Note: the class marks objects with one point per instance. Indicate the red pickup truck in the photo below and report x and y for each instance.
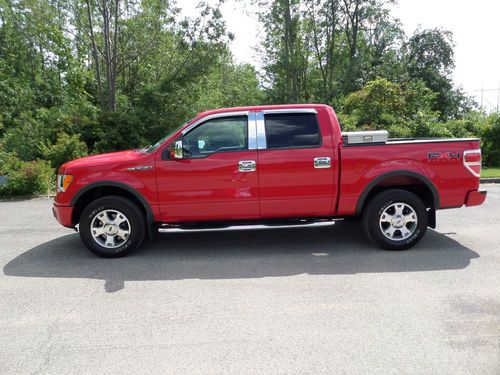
(248, 167)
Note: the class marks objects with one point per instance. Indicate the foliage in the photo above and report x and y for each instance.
(403, 109)
(67, 147)
(430, 58)
(23, 136)
(81, 76)
(25, 178)
(491, 141)
(117, 131)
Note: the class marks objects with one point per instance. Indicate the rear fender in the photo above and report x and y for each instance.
(399, 173)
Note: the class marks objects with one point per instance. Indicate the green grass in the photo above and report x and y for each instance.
(490, 172)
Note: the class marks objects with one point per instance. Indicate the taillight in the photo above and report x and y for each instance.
(472, 161)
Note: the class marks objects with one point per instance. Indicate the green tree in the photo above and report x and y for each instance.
(430, 58)
(403, 109)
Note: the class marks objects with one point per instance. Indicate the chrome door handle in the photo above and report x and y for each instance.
(322, 162)
(247, 166)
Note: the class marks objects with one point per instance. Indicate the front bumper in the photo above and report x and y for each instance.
(63, 215)
(475, 198)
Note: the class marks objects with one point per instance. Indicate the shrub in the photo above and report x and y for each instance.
(25, 178)
(491, 142)
(24, 137)
(119, 131)
(428, 126)
(66, 148)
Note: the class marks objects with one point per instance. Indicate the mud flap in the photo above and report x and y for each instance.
(431, 217)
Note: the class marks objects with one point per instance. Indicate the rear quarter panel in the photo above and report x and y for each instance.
(360, 165)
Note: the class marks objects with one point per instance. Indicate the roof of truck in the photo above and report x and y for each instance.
(260, 108)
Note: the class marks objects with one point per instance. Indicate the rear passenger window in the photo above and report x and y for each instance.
(297, 130)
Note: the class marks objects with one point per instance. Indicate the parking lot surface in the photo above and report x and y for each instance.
(314, 300)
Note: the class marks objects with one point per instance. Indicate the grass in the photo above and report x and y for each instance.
(490, 172)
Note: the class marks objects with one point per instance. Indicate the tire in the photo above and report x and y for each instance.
(112, 227)
(395, 219)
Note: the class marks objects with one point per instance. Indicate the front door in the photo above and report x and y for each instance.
(217, 178)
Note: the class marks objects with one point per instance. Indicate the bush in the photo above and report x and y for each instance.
(25, 178)
(119, 131)
(377, 106)
(404, 109)
(24, 136)
(491, 142)
(66, 148)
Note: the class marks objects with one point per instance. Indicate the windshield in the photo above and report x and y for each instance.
(154, 147)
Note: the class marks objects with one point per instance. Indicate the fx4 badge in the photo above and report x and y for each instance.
(443, 156)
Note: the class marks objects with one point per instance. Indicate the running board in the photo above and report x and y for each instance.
(314, 224)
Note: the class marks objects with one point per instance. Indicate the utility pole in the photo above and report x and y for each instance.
(482, 94)
(489, 101)
(498, 98)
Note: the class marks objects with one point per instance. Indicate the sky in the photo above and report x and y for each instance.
(475, 26)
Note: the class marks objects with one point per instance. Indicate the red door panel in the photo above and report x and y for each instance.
(210, 188)
(290, 185)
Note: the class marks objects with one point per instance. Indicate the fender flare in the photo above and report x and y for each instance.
(399, 173)
(134, 192)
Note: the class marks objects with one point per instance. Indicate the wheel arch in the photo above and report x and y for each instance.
(105, 188)
(402, 179)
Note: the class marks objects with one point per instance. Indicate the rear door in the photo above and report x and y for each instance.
(296, 163)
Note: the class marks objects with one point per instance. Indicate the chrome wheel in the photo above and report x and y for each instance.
(110, 228)
(398, 221)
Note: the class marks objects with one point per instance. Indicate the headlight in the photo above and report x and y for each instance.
(63, 182)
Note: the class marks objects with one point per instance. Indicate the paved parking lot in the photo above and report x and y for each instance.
(280, 301)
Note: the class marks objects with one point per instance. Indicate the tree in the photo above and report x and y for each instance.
(382, 104)
(321, 50)
(430, 58)
(286, 52)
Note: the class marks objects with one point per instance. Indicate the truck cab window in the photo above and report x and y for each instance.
(292, 130)
(217, 135)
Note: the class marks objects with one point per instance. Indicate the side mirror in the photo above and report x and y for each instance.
(177, 151)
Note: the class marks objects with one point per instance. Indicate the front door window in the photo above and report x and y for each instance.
(228, 134)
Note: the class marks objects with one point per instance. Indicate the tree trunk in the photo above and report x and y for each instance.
(95, 55)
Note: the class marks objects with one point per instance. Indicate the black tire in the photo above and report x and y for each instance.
(134, 223)
(383, 204)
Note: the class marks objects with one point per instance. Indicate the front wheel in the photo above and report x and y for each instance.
(112, 226)
(395, 219)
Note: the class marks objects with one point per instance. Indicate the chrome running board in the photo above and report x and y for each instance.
(178, 229)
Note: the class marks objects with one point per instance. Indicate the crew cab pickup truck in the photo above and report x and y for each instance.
(251, 167)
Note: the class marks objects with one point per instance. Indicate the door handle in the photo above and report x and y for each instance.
(247, 166)
(322, 162)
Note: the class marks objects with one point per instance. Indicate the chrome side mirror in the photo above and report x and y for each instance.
(177, 151)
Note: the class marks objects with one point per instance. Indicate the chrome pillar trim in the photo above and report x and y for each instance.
(289, 110)
(211, 117)
(252, 131)
(261, 131)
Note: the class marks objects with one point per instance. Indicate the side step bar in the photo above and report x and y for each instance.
(178, 229)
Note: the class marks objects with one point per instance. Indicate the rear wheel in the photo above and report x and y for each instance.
(112, 226)
(395, 219)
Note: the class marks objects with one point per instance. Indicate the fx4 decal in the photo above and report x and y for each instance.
(443, 156)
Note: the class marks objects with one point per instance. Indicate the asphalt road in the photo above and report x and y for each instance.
(309, 300)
